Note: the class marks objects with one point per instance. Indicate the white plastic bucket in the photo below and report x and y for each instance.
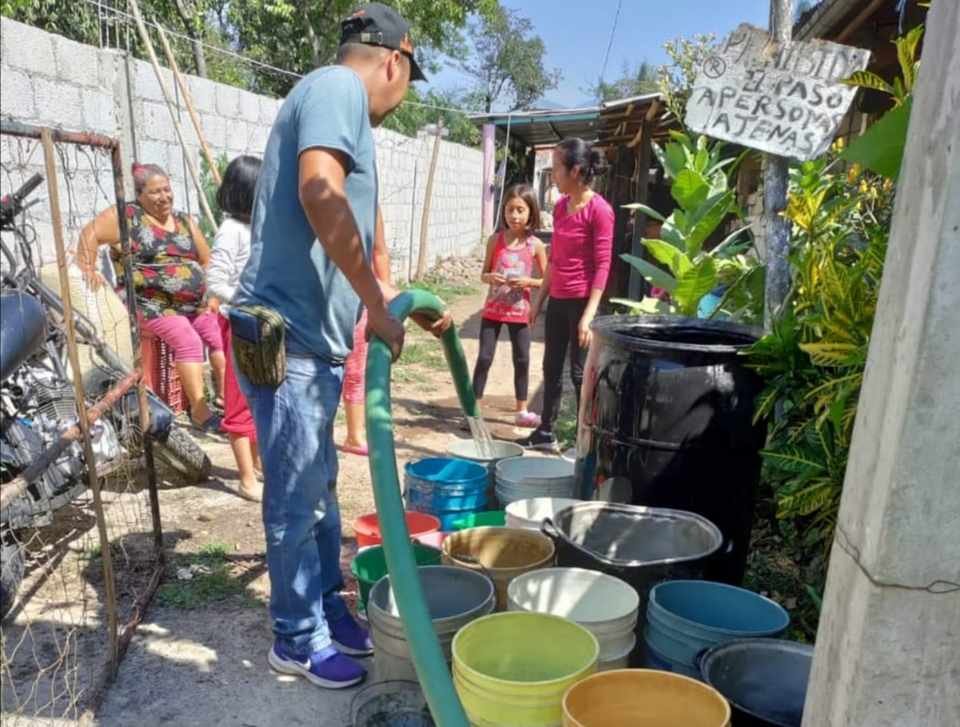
(521, 478)
(530, 513)
(601, 603)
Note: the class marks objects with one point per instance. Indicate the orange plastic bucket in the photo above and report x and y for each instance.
(643, 698)
(367, 527)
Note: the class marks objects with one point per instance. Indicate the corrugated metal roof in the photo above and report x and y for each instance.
(825, 18)
(545, 127)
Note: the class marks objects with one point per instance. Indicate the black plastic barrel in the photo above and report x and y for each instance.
(666, 420)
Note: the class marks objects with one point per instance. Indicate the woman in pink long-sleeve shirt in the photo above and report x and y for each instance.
(576, 276)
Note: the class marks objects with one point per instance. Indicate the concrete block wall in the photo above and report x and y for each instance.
(49, 80)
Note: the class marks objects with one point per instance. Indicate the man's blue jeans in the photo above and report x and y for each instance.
(301, 517)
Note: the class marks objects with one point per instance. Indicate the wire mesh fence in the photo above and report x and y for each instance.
(81, 554)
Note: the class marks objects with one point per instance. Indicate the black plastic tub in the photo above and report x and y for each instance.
(765, 680)
(641, 546)
(667, 421)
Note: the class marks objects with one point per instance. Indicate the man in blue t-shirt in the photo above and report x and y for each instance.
(315, 229)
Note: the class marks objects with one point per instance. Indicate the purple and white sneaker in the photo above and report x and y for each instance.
(350, 637)
(327, 668)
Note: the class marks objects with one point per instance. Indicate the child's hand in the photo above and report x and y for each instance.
(496, 278)
(519, 283)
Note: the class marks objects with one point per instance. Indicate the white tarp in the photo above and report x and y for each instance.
(785, 99)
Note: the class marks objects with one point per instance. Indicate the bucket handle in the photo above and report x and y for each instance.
(548, 528)
(698, 659)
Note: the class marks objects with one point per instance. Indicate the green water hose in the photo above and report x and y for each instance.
(425, 648)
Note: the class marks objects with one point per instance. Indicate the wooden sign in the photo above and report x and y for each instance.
(782, 98)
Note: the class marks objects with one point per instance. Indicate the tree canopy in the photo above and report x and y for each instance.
(505, 59)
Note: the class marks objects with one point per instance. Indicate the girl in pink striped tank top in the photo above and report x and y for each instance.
(513, 256)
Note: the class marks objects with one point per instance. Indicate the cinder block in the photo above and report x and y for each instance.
(28, 48)
(258, 143)
(249, 107)
(17, 93)
(215, 130)
(109, 64)
(153, 152)
(204, 93)
(99, 112)
(269, 108)
(58, 104)
(155, 122)
(76, 63)
(228, 101)
(146, 85)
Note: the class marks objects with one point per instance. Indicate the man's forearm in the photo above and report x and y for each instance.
(332, 220)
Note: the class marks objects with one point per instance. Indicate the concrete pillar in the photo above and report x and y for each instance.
(489, 162)
(888, 648)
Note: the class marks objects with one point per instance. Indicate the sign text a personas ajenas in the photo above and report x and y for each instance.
(783, 98)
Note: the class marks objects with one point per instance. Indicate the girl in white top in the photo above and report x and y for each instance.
(231, 248)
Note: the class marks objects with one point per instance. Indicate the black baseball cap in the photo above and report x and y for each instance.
(378, 24)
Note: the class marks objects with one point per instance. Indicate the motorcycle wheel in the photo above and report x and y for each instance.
(11, 573)
(180, 452)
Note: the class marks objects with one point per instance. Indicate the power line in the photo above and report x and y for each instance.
(260, 64)
(613, 30)
(128, 17)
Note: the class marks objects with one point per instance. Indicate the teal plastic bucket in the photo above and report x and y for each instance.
(685, 617)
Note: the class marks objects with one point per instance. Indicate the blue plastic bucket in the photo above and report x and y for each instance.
(446, 488)
(445, 499)
(686, 617)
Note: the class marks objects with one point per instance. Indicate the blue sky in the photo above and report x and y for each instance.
(576, 33)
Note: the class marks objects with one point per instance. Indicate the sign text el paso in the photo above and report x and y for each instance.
(785, 99)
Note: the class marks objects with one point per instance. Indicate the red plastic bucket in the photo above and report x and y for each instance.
(367, 527)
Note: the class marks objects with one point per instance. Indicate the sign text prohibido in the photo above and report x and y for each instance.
(782, 98)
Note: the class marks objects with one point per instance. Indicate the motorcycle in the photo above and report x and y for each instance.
(37, 402)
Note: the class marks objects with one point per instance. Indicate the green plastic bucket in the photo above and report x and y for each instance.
(490, 518)
(370, 566)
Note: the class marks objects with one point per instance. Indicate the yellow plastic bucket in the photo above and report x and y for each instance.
(643, 698)
(501, 553)
(512, 669)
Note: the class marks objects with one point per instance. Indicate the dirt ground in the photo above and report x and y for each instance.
(199, 658)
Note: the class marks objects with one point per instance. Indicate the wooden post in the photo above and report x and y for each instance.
(53, 191)
(886, 653)
(425, 219)
(637, 282)
(191, 167)
(776, 227)
(489, 164)
(188, 102)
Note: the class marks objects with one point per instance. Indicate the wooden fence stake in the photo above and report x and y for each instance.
(56, 219)
(191, 167)
(188, 102)
(425, 219)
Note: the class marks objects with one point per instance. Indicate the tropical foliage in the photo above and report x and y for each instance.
(813, 360)
(700, 185)
(881, 148)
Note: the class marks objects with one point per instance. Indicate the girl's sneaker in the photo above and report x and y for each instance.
(527, 420)
(544, 441)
